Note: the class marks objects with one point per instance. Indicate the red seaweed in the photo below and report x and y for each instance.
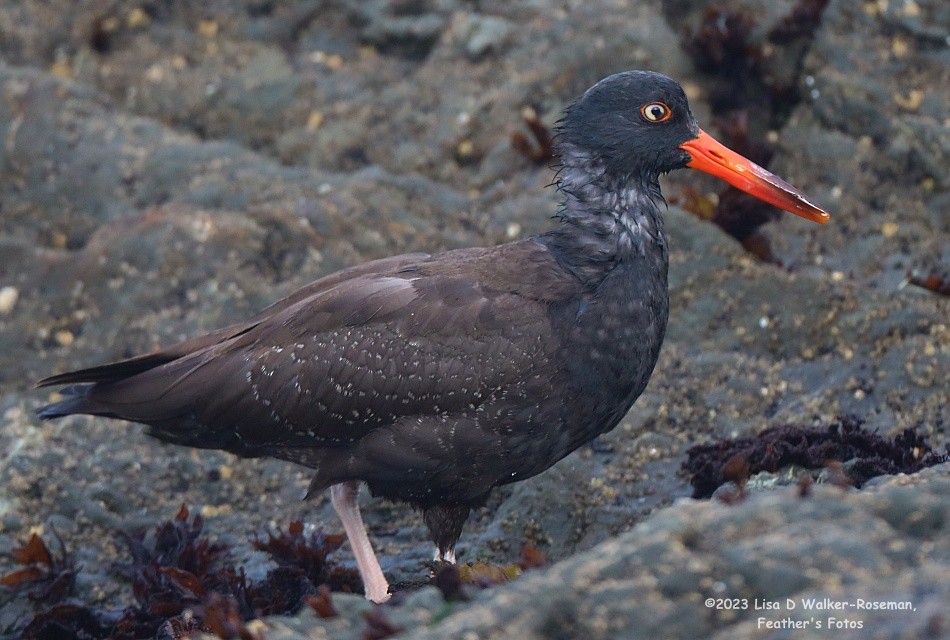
(182, 584)
(868, 454)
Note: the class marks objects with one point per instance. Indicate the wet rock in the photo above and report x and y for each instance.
(761, 550)
(486, 34)
(405, 30)
(873, 93)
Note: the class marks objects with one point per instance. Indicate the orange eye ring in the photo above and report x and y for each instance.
(656, 112)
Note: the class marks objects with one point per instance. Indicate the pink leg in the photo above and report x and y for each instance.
(345, 503)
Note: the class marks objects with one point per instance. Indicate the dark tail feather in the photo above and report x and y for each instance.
(111, 372)
(76, 400)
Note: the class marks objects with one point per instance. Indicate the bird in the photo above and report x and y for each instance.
(435, 378)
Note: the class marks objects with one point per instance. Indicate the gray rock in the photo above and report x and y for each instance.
(654, 580)
(383, 25)
(877, 97)
(487, 34)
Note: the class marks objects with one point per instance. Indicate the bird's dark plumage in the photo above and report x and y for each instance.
(435, 378)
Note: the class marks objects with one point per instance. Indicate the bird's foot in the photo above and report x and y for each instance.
(447, 556)
(378, 593)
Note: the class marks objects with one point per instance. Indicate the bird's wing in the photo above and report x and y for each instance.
(425, 337)
(125, 368)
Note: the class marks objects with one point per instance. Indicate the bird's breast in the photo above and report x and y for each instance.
(610, 345)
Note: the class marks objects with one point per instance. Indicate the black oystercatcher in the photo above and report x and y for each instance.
(435, 378)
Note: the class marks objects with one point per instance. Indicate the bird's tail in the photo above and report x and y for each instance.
(77, 398)
(179, 397)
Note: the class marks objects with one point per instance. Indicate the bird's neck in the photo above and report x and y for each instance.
(606, 220)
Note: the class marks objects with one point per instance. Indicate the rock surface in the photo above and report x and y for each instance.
(165, 170)
(885, 544)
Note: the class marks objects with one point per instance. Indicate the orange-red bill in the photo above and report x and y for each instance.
(716, 159)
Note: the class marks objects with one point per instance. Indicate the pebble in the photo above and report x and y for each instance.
(487, 34)
(9, 296)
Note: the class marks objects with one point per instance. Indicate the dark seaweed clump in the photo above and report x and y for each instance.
(181, 582)
(852, 454)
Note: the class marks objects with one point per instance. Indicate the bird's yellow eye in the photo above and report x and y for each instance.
(656, 112)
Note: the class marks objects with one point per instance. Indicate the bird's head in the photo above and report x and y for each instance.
(638, 125)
